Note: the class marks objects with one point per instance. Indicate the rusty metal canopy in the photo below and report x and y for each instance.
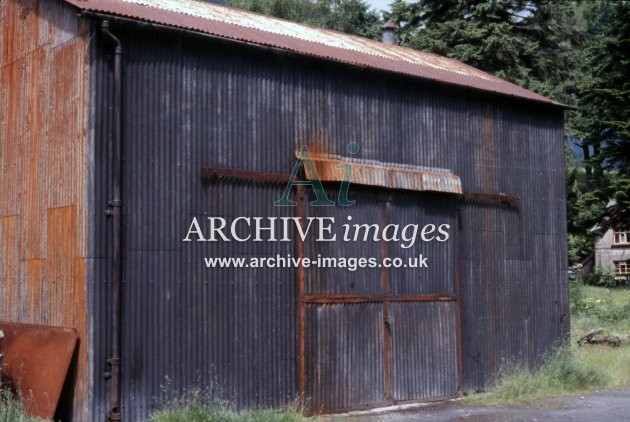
(239, 25)
(386, 175)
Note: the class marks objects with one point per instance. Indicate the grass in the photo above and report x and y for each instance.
(610, 310)
(199, 406)
(600, 307)
(203, 413)
(572, 369)
(11, 409)
(563, 372)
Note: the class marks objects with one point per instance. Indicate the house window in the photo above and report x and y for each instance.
(621, 237)
(622, 267)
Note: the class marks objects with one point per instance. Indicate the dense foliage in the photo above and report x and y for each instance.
(526, 42)
(350, 16)
(603, 97)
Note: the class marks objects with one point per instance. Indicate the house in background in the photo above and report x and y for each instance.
(612, 253)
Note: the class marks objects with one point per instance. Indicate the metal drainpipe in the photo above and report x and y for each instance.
(115, 211)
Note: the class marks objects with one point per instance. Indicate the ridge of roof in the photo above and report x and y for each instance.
(239, 25)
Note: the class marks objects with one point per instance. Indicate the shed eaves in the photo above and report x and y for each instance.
(239, 25)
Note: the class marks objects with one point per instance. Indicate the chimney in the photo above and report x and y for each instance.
(389, 32)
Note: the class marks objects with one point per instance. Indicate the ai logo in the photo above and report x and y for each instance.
(304, 157)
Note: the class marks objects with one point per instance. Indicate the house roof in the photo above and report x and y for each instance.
(234, 24)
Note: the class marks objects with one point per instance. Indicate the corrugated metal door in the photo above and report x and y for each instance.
(379, 335)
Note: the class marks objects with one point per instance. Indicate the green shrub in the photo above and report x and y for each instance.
(576, 297)
(601, 277)
(580, 246)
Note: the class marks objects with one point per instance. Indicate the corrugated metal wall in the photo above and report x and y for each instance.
(424, 350)
(379, 335)
(43, 170)
(190, 102)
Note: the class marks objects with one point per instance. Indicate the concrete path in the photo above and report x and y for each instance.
(607, 406)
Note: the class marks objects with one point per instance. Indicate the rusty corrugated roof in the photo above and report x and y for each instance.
(235, 24)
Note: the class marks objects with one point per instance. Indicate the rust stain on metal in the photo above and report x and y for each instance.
(253, 28)
(33, 245)
(36, 362)
(9, 264)
(20, 29)
(61, 266)
(491, 198)
(244, 175)
(43, 168)
(37, 278)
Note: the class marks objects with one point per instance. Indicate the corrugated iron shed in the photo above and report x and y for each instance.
(210, 128)
(236, 116)
(234, 24)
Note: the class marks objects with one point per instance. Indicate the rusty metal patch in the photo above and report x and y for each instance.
(36, 360)
(386, 175)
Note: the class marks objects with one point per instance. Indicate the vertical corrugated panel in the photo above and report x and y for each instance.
(424, 349)
(248, 109)
(187, 326)
(424, 210)
(193, 326)
(331, 280)
(100, 252)
(513, 260)
(43, 169)
(344, 356)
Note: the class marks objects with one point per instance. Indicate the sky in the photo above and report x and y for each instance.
(379, 4)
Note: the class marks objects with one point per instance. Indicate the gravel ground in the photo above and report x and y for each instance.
(608, 406)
